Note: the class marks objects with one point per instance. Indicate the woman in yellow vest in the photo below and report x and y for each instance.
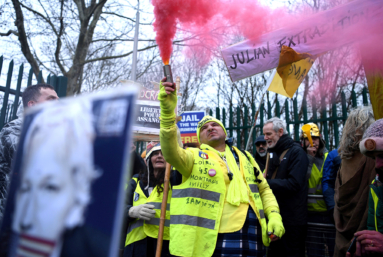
(145, 192)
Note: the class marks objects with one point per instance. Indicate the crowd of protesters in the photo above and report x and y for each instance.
(340, 188)
(223, 201)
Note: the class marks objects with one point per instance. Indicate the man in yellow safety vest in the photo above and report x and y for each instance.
(209, 213)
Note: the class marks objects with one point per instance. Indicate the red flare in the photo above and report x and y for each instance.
(208, 21)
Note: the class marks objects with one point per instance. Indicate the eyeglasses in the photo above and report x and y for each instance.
(260, 143)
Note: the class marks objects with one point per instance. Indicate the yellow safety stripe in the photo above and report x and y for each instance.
(376, 199)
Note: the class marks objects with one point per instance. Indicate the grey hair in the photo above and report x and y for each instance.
(277, 124)
(356, 124)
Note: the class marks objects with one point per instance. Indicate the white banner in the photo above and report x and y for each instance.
(318, 34)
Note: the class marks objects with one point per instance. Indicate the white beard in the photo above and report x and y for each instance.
(262, 154)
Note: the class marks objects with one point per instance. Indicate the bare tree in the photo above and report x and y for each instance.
(77, 37)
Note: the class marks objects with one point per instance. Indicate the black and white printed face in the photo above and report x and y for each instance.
(46, 196)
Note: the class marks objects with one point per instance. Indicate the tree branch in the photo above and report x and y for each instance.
(42, 16)
(59, 43)
(118, 56)
(123, 40)
(126, 54)
(23, 37)
(124, 17)
(9, 33)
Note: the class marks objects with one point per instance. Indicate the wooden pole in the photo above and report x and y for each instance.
(255, 122)
(163, 210)
(269, 80)
(267, 165)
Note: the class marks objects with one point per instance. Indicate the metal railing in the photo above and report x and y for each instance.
(9, 107)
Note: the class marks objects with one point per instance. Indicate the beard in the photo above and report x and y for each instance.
(262, 154)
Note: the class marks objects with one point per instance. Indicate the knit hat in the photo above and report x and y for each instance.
(205, 120)
(152, 147)
(372, 140)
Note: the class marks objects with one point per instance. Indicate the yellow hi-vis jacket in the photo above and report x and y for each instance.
(316, 204)
(140, 229)
(198, 207)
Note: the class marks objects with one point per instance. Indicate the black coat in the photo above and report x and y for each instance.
(290, 184)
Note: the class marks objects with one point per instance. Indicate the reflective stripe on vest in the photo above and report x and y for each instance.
(376, 200)
(197, 205)
(139, 229)
(316, 202)
(192, 221)
(196, 192)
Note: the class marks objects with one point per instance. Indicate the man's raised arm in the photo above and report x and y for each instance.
(179, 158)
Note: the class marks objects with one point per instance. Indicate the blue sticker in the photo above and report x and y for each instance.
(136, 196)
(203, 155)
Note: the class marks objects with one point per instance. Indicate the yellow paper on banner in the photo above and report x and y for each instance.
(292, 69)
(375, 87)
(276, 86)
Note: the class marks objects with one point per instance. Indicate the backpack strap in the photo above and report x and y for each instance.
(280, 159)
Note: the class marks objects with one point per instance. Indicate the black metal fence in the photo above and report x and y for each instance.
(10, 106)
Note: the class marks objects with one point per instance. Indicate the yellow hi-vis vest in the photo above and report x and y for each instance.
(139, 229)
(197, 205)
(375, 198)
(316, 203)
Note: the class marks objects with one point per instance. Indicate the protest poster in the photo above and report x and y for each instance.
(320, 33)
(188, 125)
(147, 124)
(66, 196)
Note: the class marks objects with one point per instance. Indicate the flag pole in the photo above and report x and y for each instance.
(163, 210)
(259, 107)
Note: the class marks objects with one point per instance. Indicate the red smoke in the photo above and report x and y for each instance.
(209, 20)
(209, 24)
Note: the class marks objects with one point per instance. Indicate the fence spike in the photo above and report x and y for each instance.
(40, 77)
(296, 119)
(269, 110)
(353, 98)
(365, 98)
(62, 86)
(238, 127)
(261, 114)
(335, 125)
(30, 77)
(304, 108)
(287, 115)
(245, 125)
(344, 107)
(325, 128)
(1, 64)
(18, 87)
(314, 108)
(231, 120)
(6, 95)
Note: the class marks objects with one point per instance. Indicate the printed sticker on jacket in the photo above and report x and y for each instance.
(203, 155)
(136, 196)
